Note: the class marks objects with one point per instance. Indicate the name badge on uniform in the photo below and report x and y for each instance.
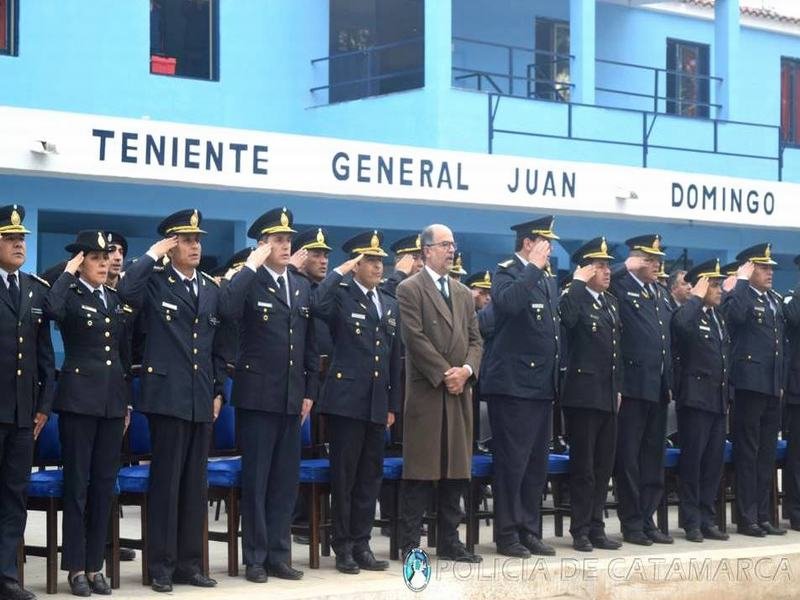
(89, 308)
(358, 316)
(533, 305)
(169, 306)
(633, 294)
(759, 308)
(704, 328)
(265, 305)
(36, 311)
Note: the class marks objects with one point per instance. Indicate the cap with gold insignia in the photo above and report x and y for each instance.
(367, 243)
(458, 265)
(662, 273)
(117, 239)
(542, 227)
(760, 254)
(277, 220)
(730, 268)
(408, 244)
(88, 240)
(315, 238)
(596, 249)
(11, 218)
(649, 244)
(183, 221)
(481, 280)
(709, 268)
(238, 259)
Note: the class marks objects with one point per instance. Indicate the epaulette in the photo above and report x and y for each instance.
(108, 287)
(344, 283)
(40, 280)
(209, 277)
(506, 263)
(777, 295)
(158, 268)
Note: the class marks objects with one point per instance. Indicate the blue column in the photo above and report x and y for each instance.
(438, 44)
(582, 16)
(726, 57)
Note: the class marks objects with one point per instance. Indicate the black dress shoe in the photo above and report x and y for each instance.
(303, 540)
(367, 561)
(694, 535)
(513, 549)
(99, 585)
(582, 544)
(752, 530)
(161, 584)
(345, 563)
(195, 579)
(638, 538)
(770, 529)
(255, 573)
(284, 571)
(127, 554)
(604, 543)
(658, 537)
(11, 590)
(537, 546)
(79, 586)
(457, 552)
(713, 533)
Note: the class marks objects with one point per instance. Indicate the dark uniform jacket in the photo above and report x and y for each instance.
(395, 278)
(791, 312)
(758, 339)
(92, 378)
(593, 376)
(363, 381)
(704, 348)
(278, 362)
(321, 332)
(180, 373)
(27, 363)
(646, 345)
(524, 356)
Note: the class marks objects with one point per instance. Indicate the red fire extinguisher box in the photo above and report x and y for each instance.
(163, 65)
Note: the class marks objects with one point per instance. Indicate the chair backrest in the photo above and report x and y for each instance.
(47, 451)
(225, 442)
(139, 447)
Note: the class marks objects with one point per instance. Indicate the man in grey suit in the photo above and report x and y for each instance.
(443, 353)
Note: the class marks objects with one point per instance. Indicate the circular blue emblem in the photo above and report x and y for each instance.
(417, 570)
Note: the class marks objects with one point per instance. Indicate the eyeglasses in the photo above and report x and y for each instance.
(445, 245)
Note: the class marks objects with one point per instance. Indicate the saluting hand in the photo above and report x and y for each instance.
(585, 273)
(38, 424)
(259, 255)
(74, 263)
(540, 252)
(405, 264)
(298, 259)
(700, 288)
(349, 265)
(746, 270)
(634, 263)
(161, 247)
(729, 283)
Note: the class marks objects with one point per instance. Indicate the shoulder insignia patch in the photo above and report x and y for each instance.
(40, 280)
(209, 277)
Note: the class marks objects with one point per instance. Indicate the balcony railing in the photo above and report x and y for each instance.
(370, 71)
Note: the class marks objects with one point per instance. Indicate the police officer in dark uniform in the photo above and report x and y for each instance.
(226, 341)
(92, 402)
(646, 390)
(26, 377)
(703, 344)
(274, 387)
(519, 383)
(361, 394)
(754, 312)
(182, 383)
(310, 248)
(407, 261)
(791, 470)
(591, 393)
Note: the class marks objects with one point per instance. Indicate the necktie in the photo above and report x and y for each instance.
(374, 304)
(190, 287)
(602, 299)
(443, 290)
(282, 287)
(97, 294)
(13, 291)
